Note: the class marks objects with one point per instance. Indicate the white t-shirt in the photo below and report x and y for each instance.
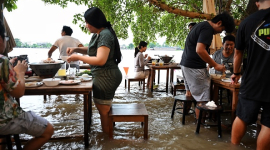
(64, 42)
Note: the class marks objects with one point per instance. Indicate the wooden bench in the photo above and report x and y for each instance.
(217, 110)
(177, 85)
(128, 113)
(132, 79)
(184, 99)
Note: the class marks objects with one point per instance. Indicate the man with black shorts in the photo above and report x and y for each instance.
(253, 36)
(195, 56)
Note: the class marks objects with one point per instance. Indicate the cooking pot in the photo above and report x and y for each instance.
(46, 69)
(165, 58)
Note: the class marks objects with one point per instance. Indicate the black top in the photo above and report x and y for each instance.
(201, 33)
(254, 36)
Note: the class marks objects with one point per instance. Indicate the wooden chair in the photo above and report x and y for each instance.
(9, 141)
(132, 79)
(217, 110)
(184, 99)
(128, 113)
(176, 86)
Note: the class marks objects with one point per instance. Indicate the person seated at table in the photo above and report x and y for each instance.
(225, 54)
(13, 119)
(141, 60)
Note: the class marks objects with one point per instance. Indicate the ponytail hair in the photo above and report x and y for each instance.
(137, 49)
(95, 17)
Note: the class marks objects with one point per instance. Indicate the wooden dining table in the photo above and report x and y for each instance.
(166, 67)
(84, 88)
(234, 88)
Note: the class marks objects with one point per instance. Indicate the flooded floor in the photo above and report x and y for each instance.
(65, 112)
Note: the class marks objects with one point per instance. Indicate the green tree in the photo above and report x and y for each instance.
(152, 45)
(130, 46)
(48, 45)
(158, 45)
(149, 19)
(18, 42)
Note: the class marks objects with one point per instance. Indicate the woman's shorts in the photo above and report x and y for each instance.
(197, 81)
(247, 111)
(141, 74)
(28, 123)
(102, 102)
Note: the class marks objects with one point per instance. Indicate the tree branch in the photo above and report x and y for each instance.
(185, 13)
(228, 5)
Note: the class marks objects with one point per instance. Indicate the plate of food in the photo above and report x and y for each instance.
(70, 82)
(85, 79)
(33, 84)
(226, 80)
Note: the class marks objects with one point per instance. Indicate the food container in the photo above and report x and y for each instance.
(166, 58)
(51, 81)
(46, 69)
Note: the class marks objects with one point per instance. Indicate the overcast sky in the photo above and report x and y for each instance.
(33, 21)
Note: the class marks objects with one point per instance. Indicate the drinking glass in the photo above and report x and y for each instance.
(154, 62)
(161, 63)
(126, 70)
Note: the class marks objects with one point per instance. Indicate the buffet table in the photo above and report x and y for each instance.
(84, 88)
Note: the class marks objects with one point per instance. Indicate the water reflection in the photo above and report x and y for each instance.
(65, 112)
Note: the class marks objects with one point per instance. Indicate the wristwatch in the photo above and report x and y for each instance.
(236, 73)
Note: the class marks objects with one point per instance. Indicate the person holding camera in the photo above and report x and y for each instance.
(13, 119)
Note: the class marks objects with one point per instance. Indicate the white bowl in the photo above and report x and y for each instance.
(51, 81)
(85, 75)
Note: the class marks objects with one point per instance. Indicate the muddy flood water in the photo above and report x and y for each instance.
(65, 112)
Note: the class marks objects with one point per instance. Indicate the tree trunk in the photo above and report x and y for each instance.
(251, 8)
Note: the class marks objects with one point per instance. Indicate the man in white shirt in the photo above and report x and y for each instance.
(64, 42)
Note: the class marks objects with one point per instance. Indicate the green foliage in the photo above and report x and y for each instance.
(20, 44)
(130, 46)
(10, 5)
(146, 20)
(84, 72)
(152, 45)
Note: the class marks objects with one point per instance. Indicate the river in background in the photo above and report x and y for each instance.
(65, 112)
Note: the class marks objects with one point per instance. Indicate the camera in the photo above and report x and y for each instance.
(21, 58)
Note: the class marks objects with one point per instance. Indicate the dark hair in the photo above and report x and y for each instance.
(227, 21)
(95, 17)
(67, 30)
(2, 30)
(192, 24)
(228, 38)
(137, 49)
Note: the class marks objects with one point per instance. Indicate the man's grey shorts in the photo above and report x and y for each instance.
(28, 123)
(197, 81)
